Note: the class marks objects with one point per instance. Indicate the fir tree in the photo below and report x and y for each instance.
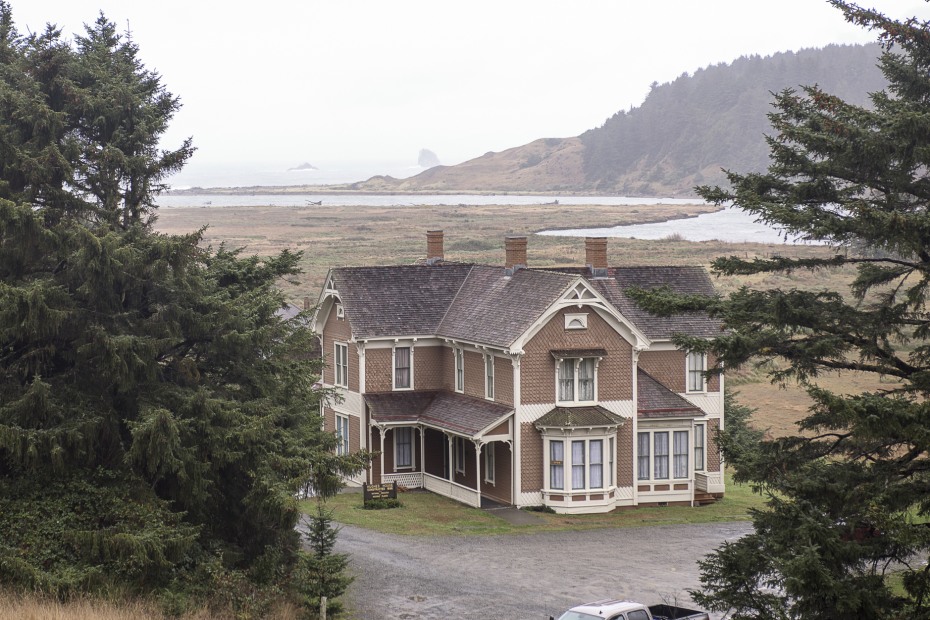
(157, 417)
(849, 495)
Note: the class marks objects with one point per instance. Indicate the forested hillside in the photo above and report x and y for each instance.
(681, 136)
(687, 129)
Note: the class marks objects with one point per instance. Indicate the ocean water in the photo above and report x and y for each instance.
(279, 173)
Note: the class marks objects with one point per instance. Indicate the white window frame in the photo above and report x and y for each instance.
(700, 447)
(394, 368)
(651, 458)
(568, 465)
(489, 473)
(575, 363)
(342, 434)
(681, 461)
(459, 378)
(489, 377)
(459, 454)
(341, 364)
(408, 431)
(695, 363)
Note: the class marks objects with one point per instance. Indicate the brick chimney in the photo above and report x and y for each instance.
(515, 248)
(434, 249)
(595, 252)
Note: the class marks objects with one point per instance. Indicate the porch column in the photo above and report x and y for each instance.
(422, 451)
(381, 437)
(451, 458)
(478, 472)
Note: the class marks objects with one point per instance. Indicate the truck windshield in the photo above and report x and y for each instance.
(577, 615)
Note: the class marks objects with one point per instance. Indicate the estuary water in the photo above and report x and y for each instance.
(729, 224)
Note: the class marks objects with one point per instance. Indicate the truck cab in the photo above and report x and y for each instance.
(610, 609)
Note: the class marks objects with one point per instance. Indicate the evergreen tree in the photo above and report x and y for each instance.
(848, 497)
(324, 571)
(157, 417)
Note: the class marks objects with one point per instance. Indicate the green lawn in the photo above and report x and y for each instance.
(427, 514)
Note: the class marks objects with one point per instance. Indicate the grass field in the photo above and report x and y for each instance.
(428, 514)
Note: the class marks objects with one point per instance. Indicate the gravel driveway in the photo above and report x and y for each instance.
(523, 576)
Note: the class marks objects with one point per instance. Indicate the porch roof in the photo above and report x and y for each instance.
(579, 417)
(654, 400)
(455, 413)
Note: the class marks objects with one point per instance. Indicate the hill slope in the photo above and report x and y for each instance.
(682, 135)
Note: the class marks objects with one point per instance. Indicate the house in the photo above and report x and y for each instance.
(523, 386)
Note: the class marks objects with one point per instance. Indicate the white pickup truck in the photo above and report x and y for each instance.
(609, 609)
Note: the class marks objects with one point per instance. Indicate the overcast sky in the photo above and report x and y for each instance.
(377, 80)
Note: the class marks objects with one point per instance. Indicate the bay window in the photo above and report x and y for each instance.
(660, 458)
(578, 467)
(556, 465)
(664, 454)
(642, 460)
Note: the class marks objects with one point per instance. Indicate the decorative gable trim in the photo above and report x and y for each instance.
(579, 294)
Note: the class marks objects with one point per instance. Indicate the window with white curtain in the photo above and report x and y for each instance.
(578, 476)
(698, 447)
(680, 454)
(576, 380)
(459, 370)
(610, 462)
(342, 433)
(642, 458)
(402, 368)
(556, 465)
(660, 458)
(489, 463)
(596, 463)
(403, 447)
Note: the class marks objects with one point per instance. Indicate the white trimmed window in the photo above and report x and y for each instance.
(403, 368)
(584, 460)
(403, 448)
(642, 456)
(556, 464)
(489, 463)
(577, 381)
(459, 369)
(698, 447)
(680, 454)
(460, 455)
(341, 364)
(697, 365)
(489, 377)
(342, 434)
(662, 455)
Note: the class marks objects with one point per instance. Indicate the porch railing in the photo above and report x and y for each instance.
(411, 480)
(451, 489)
(708, 482)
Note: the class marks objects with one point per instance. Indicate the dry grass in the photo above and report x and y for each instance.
(33, 607)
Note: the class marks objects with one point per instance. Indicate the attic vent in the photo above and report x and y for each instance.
(340, 312)
(576, 321)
